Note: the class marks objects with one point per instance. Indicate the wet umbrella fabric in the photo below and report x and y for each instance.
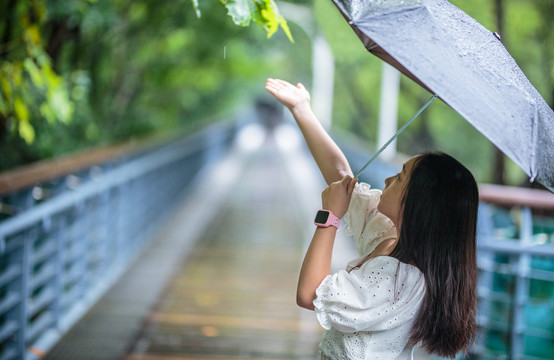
(452, 55)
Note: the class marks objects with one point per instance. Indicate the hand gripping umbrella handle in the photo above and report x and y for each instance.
(396, 135)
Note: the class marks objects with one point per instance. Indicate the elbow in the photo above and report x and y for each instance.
(305, 301)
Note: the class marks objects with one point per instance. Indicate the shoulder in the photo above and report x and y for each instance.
(382, 294)
(392, 268)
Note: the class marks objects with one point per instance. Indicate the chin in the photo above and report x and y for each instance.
(379, 208)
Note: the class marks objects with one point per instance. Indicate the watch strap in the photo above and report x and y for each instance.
(332, 220)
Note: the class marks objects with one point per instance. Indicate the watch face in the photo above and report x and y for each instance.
(321, 217)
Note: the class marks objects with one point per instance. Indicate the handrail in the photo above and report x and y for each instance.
(83, 238)
(516, 196)
(521, 266)
(45, 170)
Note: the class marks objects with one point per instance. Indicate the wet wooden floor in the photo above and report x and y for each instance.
(234, 295)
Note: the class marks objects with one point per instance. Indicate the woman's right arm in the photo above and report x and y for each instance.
(329, 157)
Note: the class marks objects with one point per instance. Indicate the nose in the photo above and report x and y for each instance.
(387, 181)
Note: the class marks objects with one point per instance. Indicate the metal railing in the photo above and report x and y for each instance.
(58, 256)
(62, 244)
(516, 283)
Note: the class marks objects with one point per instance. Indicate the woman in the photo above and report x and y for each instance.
(415, 282)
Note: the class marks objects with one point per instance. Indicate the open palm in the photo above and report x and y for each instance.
(289, 95)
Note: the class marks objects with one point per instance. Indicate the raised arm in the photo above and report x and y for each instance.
(329, 157)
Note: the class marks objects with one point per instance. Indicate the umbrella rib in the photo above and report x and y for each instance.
(396, 135)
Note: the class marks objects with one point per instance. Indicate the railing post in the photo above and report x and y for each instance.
(24, 293)
(485, 263)
(53, 232)
(522, 286)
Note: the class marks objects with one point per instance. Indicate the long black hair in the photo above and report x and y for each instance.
(437, 235)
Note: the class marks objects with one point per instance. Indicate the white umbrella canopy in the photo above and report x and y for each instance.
(453, 56)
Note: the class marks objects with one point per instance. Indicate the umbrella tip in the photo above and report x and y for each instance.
(497, 35)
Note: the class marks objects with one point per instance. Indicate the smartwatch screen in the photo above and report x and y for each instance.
(321, 217)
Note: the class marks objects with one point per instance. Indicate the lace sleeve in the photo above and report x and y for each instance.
(363, 202)
(364, 222)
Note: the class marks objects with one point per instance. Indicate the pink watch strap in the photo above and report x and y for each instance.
(332, 220)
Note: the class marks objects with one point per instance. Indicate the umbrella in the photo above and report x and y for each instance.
(453, 56)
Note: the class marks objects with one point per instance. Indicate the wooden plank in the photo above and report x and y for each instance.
(234, 296)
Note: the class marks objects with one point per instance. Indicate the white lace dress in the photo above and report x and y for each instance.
(368, 311)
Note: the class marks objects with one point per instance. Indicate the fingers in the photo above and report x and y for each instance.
(282, 82)
(278, 83)
(271, 88)
(274, 86)
(349, 184)
(352, 186)
(336, 197)
(346, 179)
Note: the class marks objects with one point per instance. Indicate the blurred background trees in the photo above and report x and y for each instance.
(76, 74)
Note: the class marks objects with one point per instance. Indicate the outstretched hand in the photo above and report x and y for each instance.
(289, 95)
(336, 197)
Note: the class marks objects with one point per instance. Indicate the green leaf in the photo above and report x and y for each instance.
(285, 28)
(34, 72)
(58, 100)
(21, 110)
(52, 79)
(270, 22)
(266, 14)
(3, 105)
(47, 112)
(27, 132)
(6, 87)
(239, 11)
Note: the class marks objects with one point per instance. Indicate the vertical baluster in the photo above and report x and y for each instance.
(23, 315)
(521, 291)
(53, 234)
(485, 261)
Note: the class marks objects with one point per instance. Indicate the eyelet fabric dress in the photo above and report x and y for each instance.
(368, 310)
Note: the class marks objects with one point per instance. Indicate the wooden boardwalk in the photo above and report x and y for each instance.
(234, 295)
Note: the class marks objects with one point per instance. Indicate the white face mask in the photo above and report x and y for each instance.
(378, 228)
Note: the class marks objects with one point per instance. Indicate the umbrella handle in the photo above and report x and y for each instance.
(396, 135)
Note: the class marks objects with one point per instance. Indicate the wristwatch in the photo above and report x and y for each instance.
(326, 218)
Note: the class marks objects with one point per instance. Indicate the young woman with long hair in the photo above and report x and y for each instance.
(415, 282)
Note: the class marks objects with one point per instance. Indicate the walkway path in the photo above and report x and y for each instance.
(219, 281)
(234, 296)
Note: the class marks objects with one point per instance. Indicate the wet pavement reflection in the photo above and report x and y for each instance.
(234, 295)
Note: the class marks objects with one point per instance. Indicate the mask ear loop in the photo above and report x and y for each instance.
(396, 135)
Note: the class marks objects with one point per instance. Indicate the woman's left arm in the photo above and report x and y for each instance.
(317, 261)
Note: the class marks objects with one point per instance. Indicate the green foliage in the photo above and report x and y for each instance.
(29, 88)
(77, 73)
(263, 12)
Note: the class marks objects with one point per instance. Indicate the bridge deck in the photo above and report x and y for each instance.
(234, 295)
(230, 287)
